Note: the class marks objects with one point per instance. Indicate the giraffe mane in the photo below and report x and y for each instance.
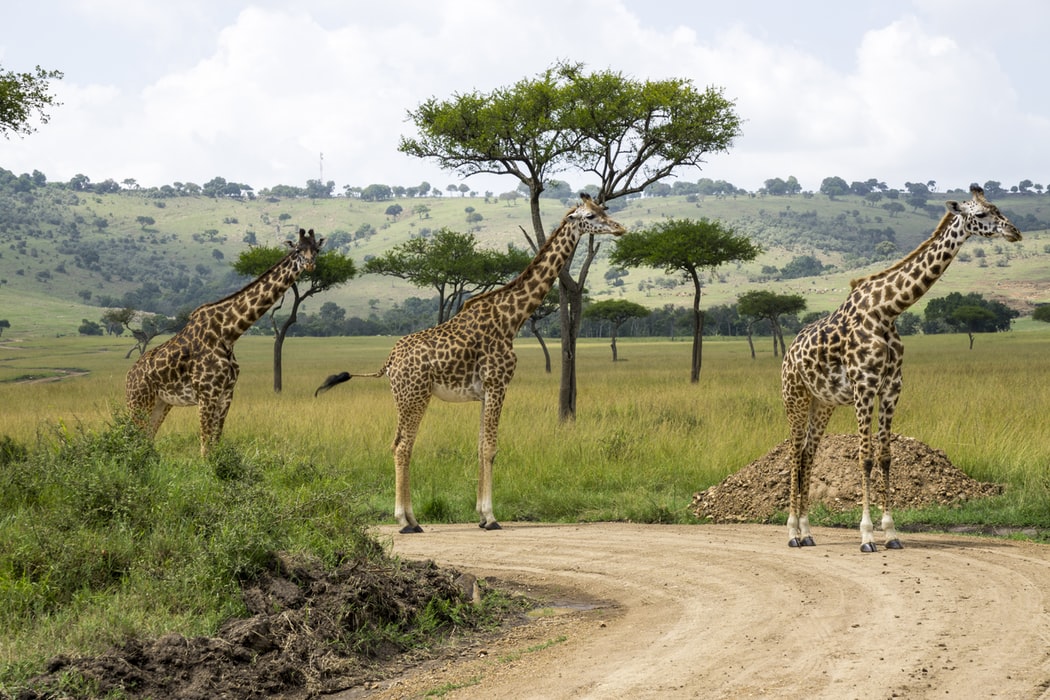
(517, 280)
(945, 220)
(295, 248)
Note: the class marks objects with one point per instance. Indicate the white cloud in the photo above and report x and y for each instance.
(255, 93)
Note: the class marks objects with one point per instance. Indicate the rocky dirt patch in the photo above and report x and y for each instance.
(921, 476)
(310, 632)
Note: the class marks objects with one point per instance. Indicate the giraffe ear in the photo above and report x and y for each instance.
(952, 206)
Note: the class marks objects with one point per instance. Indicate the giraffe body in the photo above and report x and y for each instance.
(471, 357)
(853, 357)
(196, 366)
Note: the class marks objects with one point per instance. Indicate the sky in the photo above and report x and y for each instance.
(280, 92)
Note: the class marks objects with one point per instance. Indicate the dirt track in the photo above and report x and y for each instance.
(729, 611)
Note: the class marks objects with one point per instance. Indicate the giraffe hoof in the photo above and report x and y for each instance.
(868, 547)
(807, 541)
(894, 544)
(489, 526)
(410, 529)
(794, 542)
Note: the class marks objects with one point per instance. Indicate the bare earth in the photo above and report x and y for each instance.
(729, 611)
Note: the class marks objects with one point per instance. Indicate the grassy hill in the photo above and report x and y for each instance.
(64, 254)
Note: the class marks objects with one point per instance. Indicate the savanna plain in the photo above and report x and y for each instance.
(93, 553)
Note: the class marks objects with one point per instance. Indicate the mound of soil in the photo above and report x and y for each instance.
(920, 476)
(295, 644)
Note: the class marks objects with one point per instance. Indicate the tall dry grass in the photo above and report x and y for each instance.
(644, 441)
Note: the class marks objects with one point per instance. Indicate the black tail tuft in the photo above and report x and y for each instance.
(332, 381)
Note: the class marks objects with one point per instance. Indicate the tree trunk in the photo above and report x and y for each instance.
(698, 334)
(279, 334)
(971, 340)
(278, 348)
(543, 345)
(750, 341)
(569, 331)
(613, 343)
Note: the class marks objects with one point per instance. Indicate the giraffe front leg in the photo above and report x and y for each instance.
(886, 410)
(867, 528)
(888, 528)
(487, 439)
(212, 418)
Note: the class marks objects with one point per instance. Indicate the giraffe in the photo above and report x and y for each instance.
(853, 357)
(470, 357)
(196, 366)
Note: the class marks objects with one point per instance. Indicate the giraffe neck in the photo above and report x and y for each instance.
(890, 292)
(521, 296)
(235, 314)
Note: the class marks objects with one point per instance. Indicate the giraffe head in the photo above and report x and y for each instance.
(982, 218)
(306, 249)
(591, 217)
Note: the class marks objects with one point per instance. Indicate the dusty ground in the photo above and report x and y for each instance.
(729, 611)
(724, 610)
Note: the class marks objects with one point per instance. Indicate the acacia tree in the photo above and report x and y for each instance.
(687, 247)
(331, 269)
(761, 304)
(967, 313)
(22, 95)
(617, 312)
(150, 326)
(630, 134)
(451, 263)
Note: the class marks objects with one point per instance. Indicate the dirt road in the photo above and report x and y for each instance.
(730, 611)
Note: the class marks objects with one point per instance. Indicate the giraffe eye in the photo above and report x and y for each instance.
(981, 214)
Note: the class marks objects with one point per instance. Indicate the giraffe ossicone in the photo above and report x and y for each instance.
(854, 357)
(470, 357)
(196, 366)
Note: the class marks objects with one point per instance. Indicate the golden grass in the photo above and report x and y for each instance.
(644, 437)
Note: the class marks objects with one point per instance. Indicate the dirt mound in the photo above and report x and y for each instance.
(310, 632)
(921, 476)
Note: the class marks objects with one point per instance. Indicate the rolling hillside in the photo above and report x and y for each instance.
(65, 254)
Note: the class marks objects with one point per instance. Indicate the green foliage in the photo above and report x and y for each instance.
(1042, 313)
(22, 95)
(615, 311)
(450, 263)
(968, 313)
(683, 246)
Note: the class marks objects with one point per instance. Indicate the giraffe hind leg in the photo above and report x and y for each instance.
(408, 420)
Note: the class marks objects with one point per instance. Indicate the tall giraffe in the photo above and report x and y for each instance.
(853, 357)
(471, 357)
(196, 366)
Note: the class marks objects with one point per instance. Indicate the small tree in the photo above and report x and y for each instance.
(4, 323)
(1041, 313)
(616, 312)
(971, 320)
(331, 269)
(149, 326)
(761, 304)
(450, 263)
(687, 247)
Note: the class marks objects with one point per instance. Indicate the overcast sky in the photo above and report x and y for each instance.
(950, 91)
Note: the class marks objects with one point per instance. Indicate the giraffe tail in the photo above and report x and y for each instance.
(334, 379)
(331, 381)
